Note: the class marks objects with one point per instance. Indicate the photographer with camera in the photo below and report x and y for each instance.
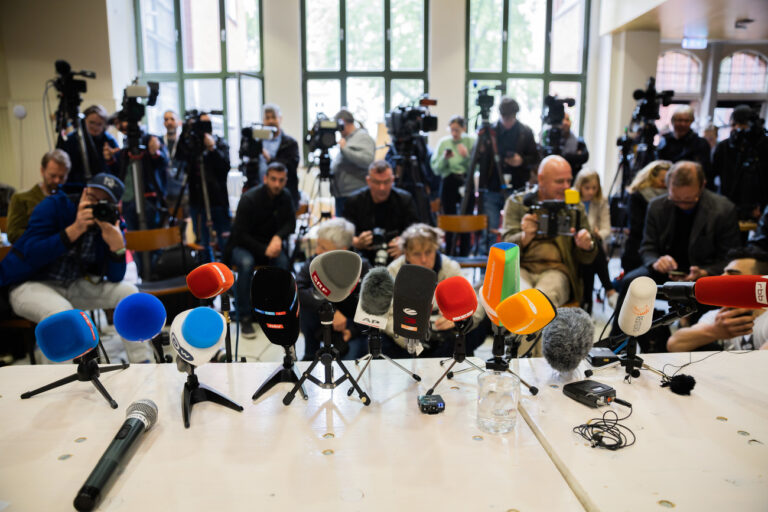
(549, 263)
(197, 139)
(350, 165)
(380, 212)
(741, 163)
(100, 145)
(72, 255)
(682, 143)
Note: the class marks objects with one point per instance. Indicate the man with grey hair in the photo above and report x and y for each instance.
(54, 169)
(682, 143)
(333, 234)
(280, 148)
(350, 165)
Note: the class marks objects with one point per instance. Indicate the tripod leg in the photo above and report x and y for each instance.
(532, 389)
(52, 385)
(363, 397)
(121, 366)
(295, 378)
(268, 384)
(591, 372)
(186, 404)
(406, 370)
(96, 382)
(368, 359)
(445, 361)
(473, 365)
(458, 372)
(292, 393)
(206, 394)
(432, 389)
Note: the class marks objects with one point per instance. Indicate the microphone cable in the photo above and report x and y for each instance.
(606, 432)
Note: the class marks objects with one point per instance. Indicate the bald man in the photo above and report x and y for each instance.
(682, 143)
(548, 263)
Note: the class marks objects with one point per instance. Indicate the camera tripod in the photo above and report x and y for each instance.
(194, 393)
(69, 109)
(327, 355)
(410, 176)
(321, 199)
(374, 352)
(285, 373)
(87, 370)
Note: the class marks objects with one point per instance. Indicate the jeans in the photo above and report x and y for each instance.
(493, 202)
(245, 262)
(221, 224)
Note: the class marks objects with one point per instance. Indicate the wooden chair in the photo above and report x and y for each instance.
(152, 240)
(464, 224)
(3, 224)
(15, 322)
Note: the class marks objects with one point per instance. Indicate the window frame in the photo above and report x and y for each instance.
(546, 76)
(739, 94)
(686, 95)
(343, 74)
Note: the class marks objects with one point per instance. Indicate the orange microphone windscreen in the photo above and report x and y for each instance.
(526, 311)
(210, 280)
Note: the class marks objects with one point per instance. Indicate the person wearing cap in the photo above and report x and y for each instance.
(68, 259)
(98, 143)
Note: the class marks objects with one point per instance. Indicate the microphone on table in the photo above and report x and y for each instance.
(636, 319)
(526, 312)
(747, 292)
(457, 301)
(412, 305)
(66, 335)
(211, 280)
(140, 417)
(567, 339)
(502, 278)
(335, 274)
(141, 317)
(376, 293)
(196, 335)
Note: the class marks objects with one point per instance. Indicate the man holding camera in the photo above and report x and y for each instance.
(350, 165)
(549, 263)
(280, 148)
(380, 212)
(97, 143)
(72, 255)
(682, 143)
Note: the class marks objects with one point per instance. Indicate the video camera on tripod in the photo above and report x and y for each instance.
(251, 148)
(133, 110)
(554, 113)
(322, 137)
(69, 90)
(485, 100)
(406, 122)
(557, 217)
(194, 130)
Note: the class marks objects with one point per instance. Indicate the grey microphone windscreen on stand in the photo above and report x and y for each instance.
(335, 274)
(567, 339)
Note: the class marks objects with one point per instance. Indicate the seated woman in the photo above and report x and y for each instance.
(421, 246)
(348, 337)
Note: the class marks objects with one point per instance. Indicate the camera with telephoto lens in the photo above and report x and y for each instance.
(381, 239)
(408, 122)
(647, 108)
(322, 135)
(105, 211)
(554, 114)
(557, 217)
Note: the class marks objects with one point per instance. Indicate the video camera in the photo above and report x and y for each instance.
(404, 123)
(647, 108)
(557, 217)
(69, 91)
(194, 130)
(251, 141)
(322, 135)
(554, 114)
(485, 100)
(132, 109)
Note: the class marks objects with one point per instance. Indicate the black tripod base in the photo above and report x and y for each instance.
(327, 356)
(194, 393)
(87, 370)
(282, 374)
(371, 357)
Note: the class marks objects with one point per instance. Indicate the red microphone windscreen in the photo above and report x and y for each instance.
(456, 298)
(733, 291)
(210, 280)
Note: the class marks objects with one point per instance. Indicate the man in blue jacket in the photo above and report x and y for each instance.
(67, 258)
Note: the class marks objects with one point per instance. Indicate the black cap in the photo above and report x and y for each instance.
(108, 183)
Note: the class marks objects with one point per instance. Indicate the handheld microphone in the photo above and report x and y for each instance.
(275, 302)
(526, 312)
(636, 315)
(139, 317)
(196, 334)
(747, 292)
(457, 301)
(210, 280)
(139, 417)
(66, 335)
(502, 277)
(412, 303)
(376, 293)
(335, 274)
(567, 339)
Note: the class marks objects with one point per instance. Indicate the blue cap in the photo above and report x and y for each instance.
(108, 183)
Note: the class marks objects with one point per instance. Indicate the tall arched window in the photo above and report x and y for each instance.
(743, 72)
(679, 71)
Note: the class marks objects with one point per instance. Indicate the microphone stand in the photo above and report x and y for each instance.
(374, 352)
(87, 370)
(459, 351)
(194, 393)
(286, 373)
(326, 354)
(225, 309)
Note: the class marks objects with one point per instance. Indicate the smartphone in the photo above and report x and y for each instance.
(677, 273)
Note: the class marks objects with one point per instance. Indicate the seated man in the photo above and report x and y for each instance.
(382, 211)
(68, 259)
(549, 264)
(265, 218)
(333, 234)
(729, 328)
(53, 169)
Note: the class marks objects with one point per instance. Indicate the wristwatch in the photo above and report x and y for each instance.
(119, 252)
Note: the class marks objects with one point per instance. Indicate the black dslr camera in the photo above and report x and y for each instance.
(105, 211)
(381, 238)
(322, 135)
(557, 217)
(408, 122)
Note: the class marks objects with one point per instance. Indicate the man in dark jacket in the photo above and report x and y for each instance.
(98, 143)
(265, 218)
(68, 259)
(682, 143)
(380, 212)
(280, 148)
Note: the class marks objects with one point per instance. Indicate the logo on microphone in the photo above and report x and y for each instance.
(409, 327)
(409, 311)
(319, 284)
(640, 311)
(462, 317)
(275, 326)
(760, 293)
(185, 355)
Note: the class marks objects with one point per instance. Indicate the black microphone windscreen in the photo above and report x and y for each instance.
(376, 291)
(275, 304)
(412, 301)
(567, 339)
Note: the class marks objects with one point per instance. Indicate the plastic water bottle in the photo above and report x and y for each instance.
(497, 397)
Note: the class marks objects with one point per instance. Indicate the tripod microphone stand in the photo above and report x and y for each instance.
(286, 373)
(194, 393)
(87, 370)
(374, 352)
(459, 351)
(327, 355)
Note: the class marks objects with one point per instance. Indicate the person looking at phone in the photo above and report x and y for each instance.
(729, 328)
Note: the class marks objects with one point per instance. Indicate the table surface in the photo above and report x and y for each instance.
(706, 451)
(328, 453)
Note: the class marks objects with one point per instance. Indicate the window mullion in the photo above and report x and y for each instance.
(387, 56)
(179, 59)
(343, 51)
(504, 38)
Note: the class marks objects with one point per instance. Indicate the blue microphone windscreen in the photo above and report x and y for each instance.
(202, 328)
(66, 335)
(139, 317)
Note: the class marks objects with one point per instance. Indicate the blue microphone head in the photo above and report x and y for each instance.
(202, 328)
(66, 335)
(139, 317)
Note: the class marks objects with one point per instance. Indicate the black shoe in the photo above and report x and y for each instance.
(247, 330)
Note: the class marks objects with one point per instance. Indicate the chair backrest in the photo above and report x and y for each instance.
(152, 239)
(3, 224)
(462, 223)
